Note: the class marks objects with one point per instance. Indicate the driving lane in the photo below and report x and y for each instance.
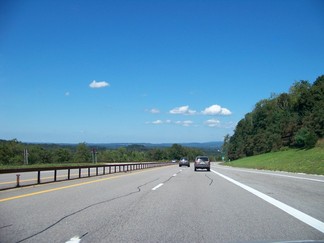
(168, 204)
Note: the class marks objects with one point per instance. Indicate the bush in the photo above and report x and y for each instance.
(305, 138)
(320, 143)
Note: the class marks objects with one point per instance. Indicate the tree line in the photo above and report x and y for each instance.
(293, 119)
(12, 153)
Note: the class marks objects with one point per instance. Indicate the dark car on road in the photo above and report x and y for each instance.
(184, 161)
(202, 162)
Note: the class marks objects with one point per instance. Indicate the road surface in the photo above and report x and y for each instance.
(168, 204)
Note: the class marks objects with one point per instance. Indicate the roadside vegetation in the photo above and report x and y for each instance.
(310, 161)
(284, 132)
(288, 120)
(13, 154)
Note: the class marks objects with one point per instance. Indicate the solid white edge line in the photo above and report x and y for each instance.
(315, 223)
(274, 174)
(156, 187)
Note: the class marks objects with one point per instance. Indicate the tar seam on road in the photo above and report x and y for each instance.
(211, 180)
(85, 208)
(5, 226)
(305, 218)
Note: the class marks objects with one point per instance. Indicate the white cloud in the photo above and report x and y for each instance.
(212, 123)
(96, 85)
(157, 122)
(184, 123)
(182, 110)
(154, 111)
(216, 110)
(67, 93)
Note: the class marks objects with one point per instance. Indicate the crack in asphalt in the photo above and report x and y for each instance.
(171, 177)
(5, 226)
(83, 235)
(211, 180)
(85, 208)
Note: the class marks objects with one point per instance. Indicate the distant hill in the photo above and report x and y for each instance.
(206, 145)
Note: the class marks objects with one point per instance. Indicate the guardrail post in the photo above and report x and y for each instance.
(79, 172)
(96, 171)
(18, 178)
(55, 173)
(69, 174)
(38, 177)
(104, 170)
(88, 171)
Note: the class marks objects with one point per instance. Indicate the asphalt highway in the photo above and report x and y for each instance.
(168, 204)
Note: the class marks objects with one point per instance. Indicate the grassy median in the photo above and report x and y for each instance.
(310, 161)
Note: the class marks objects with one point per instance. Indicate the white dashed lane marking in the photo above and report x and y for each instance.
(156, 187)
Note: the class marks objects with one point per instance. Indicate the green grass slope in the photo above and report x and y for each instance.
(309, 161)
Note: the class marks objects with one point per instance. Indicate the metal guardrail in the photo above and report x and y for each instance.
(99, 170)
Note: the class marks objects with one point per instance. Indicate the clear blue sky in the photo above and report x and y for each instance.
(149, 71)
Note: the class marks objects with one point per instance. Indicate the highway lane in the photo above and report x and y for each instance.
(167, 204)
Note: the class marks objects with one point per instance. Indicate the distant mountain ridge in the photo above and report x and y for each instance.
(202, 145)
(205, 145)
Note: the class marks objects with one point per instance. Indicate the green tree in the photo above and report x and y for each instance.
(11, 152)
(176, 152)
(62, 155)
(156, 154)
(82, 154)
(316, 118)
(305, 138)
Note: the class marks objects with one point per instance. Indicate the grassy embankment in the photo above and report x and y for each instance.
(310, 161)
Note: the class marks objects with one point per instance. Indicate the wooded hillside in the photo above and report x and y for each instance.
(293, 119)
